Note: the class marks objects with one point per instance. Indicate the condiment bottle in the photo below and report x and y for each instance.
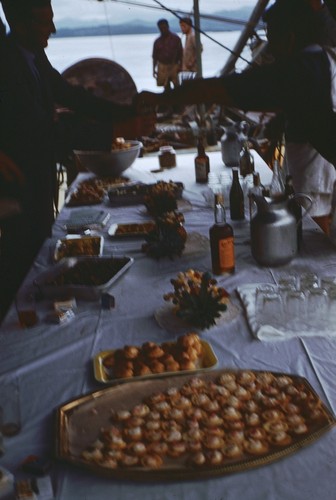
(236, 197)
(167, 157)
(294, 206)
(202, 163)
(246, 160)
(221, 241)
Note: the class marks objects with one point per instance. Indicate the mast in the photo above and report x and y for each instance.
(198, 39)
(245, 35)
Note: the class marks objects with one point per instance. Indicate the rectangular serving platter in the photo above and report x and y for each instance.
(86, 218)
(86, 292)
(209, 360)
(79, 423)
(74, 245)
(134, 194)
(131, 229)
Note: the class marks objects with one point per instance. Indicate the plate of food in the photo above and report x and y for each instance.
(74, 244)
(82, 277)
(188, 352)
(138, 193)
(131, 229)
(191, 426)
(92, 191)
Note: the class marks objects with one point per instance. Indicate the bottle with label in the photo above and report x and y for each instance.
(294, 206)
(236, 197)
(246, 160)
(221, 241)
(202, 163)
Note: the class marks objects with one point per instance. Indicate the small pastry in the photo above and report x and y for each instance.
(133, 433)
(136, 448)
(283, 381)
(212, 420)
(232, 450)
(299, 429)
(153, 436)
(183, 403)
(131, 352)
(252, 419)
(280, 439)
(134, 422)
(159, 448)
(156, 366)
(153, 425)
(251, 406)
(140, 410)
(211, 406)
(120, 415)
(152, 461)
(214, 457)
(272, 414)
(255, 446)
(109, 463)
(187, 365)
(129, 460)
(236, 436)
(176, 449)
(173, 436)
(155, 398)
(245, 378)
(275, 426)
(198, 459)
(141, 369)
(231, 413)
(213, 442)
(256, 433)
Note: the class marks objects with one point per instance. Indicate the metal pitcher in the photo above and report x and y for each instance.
(274, 230)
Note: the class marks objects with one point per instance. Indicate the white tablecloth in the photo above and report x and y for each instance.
(53, 364)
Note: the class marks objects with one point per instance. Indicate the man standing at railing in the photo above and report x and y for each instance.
(167, 56)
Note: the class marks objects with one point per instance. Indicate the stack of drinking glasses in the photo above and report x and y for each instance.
(304, 302)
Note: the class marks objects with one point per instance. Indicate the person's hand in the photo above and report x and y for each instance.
(9, 171)
(145, 101)
(137, 126)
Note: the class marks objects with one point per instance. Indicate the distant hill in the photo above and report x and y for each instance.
(140, 26)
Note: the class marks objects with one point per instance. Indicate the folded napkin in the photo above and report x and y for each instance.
(247, 295)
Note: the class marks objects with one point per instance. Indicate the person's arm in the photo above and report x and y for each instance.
(191, 92)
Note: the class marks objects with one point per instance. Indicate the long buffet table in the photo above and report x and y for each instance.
(52, 364)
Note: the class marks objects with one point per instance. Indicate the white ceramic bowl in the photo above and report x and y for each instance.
(109, 163)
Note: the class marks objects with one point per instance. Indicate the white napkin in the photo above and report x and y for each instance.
(268, 332)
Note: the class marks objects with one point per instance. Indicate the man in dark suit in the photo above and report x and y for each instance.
(30, 88)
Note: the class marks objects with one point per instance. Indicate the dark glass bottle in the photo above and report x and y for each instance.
(246, 160)
(221, 241)
(202, 163)
(295, 207)
(236, 197)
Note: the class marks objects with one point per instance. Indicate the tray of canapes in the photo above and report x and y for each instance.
(93, 190)
(189, 352)
(131, 229)
(137, 193)
(75, 244)
(191, 426)
(82, 277)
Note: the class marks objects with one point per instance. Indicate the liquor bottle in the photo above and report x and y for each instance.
(246, 160)
(295, 207)
(221, 241)
(255, 189)
(202, 163)
(236, 197)
(277, 187)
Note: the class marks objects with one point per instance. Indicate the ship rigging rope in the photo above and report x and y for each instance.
(178, 13)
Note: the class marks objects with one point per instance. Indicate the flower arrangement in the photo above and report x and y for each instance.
(161, 197)
(197, 298)
(168, 237)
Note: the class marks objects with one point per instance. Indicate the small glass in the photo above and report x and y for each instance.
(317, 307)
(260, 292)
(295, 309)
(328, 282)
(288, 282)
(308, 281)
(272, 309)
(10, 405)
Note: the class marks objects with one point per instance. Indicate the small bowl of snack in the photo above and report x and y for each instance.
(110, 163)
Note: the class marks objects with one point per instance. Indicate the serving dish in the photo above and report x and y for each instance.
(207, 361)
(135, 194)
(82, 277)
(131, 229)
(93, 190)
(86, 218)
(85, 426)
(74, 244)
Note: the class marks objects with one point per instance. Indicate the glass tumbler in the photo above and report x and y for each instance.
(295, 309)
(272, 312)
(308, 281)
(317, 308)
(261, 292)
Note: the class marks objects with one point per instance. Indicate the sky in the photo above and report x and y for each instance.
(67, 12)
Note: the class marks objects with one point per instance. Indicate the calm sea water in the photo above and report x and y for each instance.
(134, 53)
